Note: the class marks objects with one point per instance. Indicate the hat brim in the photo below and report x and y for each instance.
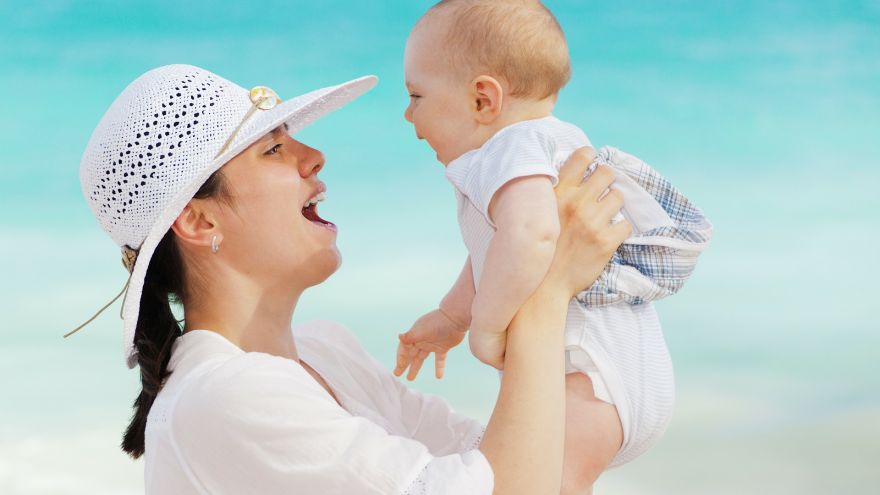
(297, 113)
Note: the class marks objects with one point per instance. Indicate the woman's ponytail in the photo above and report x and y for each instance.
(156, 330)
(157, 327)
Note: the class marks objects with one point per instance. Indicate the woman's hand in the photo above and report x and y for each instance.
(587, 237)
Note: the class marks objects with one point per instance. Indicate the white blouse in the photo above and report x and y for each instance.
(229, 421)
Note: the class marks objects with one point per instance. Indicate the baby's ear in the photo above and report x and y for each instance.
(487, 95)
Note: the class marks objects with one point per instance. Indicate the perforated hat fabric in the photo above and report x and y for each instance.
(156, 145)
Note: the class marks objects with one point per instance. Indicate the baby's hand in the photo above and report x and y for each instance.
(434, 332)
(489, 347)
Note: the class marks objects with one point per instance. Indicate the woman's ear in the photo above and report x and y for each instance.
(487, 95)
(195, 226)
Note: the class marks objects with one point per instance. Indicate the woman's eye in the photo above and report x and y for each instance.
(273, 149)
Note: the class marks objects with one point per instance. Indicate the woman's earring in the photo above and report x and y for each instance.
(214, 246)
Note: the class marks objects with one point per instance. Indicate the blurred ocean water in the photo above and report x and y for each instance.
(766, 114)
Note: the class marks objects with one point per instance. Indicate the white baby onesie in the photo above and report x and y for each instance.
(620, 346)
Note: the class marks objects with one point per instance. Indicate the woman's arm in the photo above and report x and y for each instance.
(525, 435)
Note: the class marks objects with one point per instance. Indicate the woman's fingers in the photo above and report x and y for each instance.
(596, 185)
(621, 231)
(610, 235)
(572, 172)
(587, 238)
(609, 205)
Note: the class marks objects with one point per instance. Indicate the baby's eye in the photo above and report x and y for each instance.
(411, 95)
(273, 149)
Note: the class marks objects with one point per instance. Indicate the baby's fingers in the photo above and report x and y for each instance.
(409, 337)
(439, 364)
(404, 357)
(420, 332)
(416, 365)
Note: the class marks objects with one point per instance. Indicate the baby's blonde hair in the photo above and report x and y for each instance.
(519, 41)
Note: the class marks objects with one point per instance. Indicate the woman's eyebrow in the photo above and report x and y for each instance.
(273, 133)
(268, 137)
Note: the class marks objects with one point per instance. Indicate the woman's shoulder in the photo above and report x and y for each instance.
(331, 341)
(239, 381)
(207, 357)
(238, 374)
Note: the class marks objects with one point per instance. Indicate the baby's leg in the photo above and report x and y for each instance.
(593, 435)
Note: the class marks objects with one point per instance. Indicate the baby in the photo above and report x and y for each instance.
(483, 77)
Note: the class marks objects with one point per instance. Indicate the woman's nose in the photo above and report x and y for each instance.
(309, 161)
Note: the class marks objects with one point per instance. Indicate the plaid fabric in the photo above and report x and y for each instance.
(653, 264)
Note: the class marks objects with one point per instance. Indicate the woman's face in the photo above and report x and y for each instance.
(273, 232)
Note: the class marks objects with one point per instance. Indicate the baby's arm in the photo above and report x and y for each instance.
(439, 330)
(457, 302)
(519, 255)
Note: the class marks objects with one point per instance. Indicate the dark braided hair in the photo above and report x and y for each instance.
(157, 328)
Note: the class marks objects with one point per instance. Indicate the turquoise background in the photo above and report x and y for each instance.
(766, 113)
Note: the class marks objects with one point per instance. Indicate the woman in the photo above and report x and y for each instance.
(213, 203)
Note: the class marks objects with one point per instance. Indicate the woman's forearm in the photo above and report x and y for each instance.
(525, 435)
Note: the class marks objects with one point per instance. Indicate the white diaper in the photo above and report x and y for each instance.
(624, 345)
(577, 360)
(621, 348)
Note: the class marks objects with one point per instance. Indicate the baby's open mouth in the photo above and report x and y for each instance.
(310, 211)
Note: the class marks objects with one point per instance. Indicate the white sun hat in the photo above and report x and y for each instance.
(162, 138)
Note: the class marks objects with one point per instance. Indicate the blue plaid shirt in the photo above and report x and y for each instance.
(655, 263)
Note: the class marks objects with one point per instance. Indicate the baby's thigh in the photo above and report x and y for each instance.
(593, 435)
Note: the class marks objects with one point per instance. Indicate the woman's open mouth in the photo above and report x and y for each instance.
(310, 211)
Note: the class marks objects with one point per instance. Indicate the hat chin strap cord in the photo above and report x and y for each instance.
(129, 256)
(123, 291)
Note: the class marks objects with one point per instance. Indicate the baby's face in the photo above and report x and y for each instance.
(439, 105)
